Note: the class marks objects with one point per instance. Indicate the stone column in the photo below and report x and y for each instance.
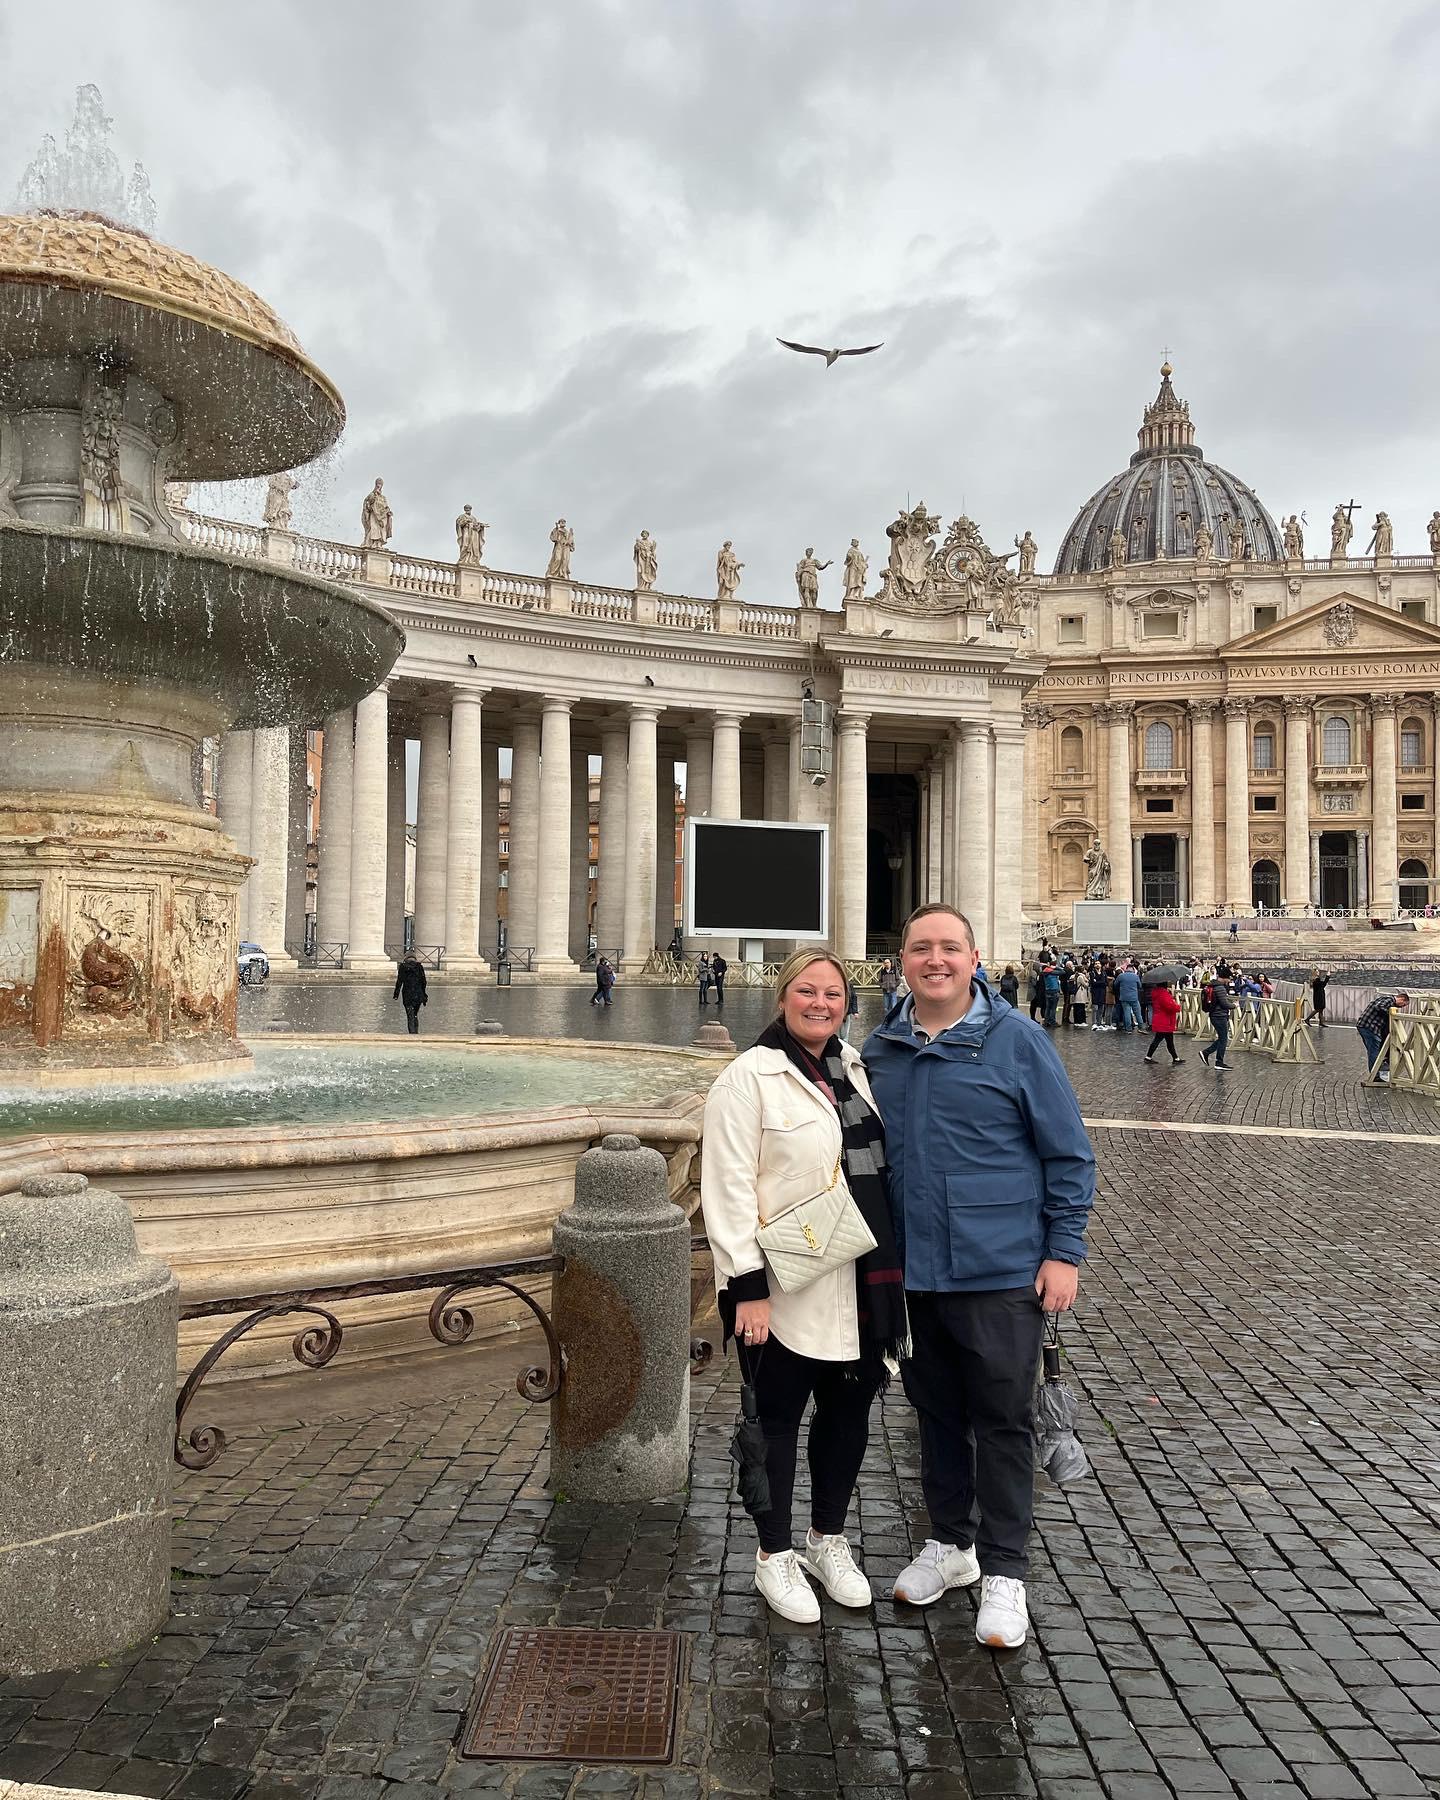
(1314, 868)
(432, 827)
(1385, 861)
(949, 764)
(524, 832)
(237, 776)
(699, 761)
(664, 849)
(725, 796)
(1237, 802)
(853, 801)
(579, 855)
(337, 800)
(1297, 800)
(1182, 871)
(922, 836)
(1202, 805)
(1116, 717)
(1362, 870)
(555, 874)
(1009, 829)
(369, 833)
(297, 842)
(935, 849)
(269, 844)
(469, 824)
(397, 838)
(1137, 867)
(610, 899)
(87, 1343)
(489, 847)
(640, 838)
(973, 832)
(777, 776)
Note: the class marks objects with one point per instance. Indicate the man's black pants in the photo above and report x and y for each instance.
(971, 1378)
(412, 1016)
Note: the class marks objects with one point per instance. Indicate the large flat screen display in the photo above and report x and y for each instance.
(745, 878)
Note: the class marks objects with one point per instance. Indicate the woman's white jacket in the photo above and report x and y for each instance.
(771, 1140)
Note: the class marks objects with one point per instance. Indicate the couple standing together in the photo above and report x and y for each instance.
(959, 1140)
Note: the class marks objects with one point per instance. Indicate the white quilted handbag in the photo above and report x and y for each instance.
(814, 1236)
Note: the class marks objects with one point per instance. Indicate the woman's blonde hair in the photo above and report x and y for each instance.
(798, 961)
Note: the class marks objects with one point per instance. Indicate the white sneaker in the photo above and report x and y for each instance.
(829, 1560)
(1004, 1618)
(938, 1568)
(787, 1592)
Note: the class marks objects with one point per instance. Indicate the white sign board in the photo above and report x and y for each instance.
(1104, 922)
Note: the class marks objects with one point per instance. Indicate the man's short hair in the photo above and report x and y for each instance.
(937, 906)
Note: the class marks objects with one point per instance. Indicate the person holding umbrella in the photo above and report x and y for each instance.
(1164, 1017)
(791, 1134)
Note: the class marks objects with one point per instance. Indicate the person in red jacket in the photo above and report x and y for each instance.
(1164, 1017)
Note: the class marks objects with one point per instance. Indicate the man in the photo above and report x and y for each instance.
(991, 1182)
(410, 992)
(719, 969)
(1215, 1000)
(1374, 1028)
(604, 981)
(1127, 998)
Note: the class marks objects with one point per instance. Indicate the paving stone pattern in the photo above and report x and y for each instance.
(1245, 1600)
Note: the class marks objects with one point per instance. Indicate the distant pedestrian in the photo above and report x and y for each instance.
(1068, 983)
(1164, 1017)
(604, 981)
(1318, 985)
(1234, 931)
(1097, 995)
(704, 975)
(889, 982)
(1010, 985)
(410, 992)
(1127, 998)
(1374, 1028)
(852, 1008)
(1051, 979)
(1216, 1002)
(1037, 988)
(719, 968)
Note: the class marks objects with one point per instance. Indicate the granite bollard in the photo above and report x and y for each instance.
(620, 1425)
(87, 1420)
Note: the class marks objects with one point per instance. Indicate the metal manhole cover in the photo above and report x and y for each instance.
(577, 1696)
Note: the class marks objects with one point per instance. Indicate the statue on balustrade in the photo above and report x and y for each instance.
(1028, 549)
(1234, 537)
(727, 572)
(1382, 538)
(807, 577)
(376, 519)
(647, 561)
(1341, 530)
(1097, 877)
(562, 539)
(470, 539)
(1294, 538)
(1204, 542)
(857, 567)
(279, 514)
(1117, 549)
(1435, 533)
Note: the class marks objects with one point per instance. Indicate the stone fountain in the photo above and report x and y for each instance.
(125, 364)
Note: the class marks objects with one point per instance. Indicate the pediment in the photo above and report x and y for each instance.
(1340, 625)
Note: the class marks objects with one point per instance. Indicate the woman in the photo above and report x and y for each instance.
(410, 991)
(702, 975)
(790, 1118)
(1010, 985)
(1164, 1017)
(1318, 985)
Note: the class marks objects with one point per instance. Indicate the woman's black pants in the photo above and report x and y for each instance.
(839, 1431)
(1167, 1038)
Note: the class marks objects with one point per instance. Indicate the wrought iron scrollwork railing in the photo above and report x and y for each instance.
(319, 1343)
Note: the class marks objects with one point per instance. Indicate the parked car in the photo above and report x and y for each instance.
(254, 964)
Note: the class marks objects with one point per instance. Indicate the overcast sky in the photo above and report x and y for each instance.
(544, 250)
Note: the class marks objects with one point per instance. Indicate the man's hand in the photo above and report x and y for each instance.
(752, 1322)
(1057, 1284)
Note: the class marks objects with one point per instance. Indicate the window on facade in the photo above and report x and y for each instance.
(1072, 750)
(1263, 616)
(1414, 899)
(504, 846)
(1413, 609)
(1159, 746)
(1267, 803)
(1335, 741)
(1162, 624)
(1071, 629)
(1160, 806)
(594, 870)
(504, 878)
(1412, 745)
(1412, 803)
(1264, 749)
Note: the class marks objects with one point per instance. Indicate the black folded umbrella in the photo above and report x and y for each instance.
(747, 1450)
(1057, 1449)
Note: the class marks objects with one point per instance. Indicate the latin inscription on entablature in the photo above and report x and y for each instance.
(918, 686)
(1367, 669)
(1151, 678)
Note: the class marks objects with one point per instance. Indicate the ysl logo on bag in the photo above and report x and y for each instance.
(810, 1237)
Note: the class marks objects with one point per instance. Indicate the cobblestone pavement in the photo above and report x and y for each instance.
(1245, 1600)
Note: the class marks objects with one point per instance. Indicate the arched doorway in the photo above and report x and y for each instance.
(1417, 898)
(1265, 885)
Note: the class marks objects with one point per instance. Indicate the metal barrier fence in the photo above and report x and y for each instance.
(1275, 1028)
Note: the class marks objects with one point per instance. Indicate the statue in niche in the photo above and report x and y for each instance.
(562, 545)
(1097, 872)
(1434, 529)
(1341, 530)
(1294, 538)
(1204, 542)
(1028, 549)
(1382, 538)
(279, 514)
(647, 561)
(857, 567)
(807, 577)
(1117, 548)
(376, 519)
(727, 572)
(469, 538)
(1234, 537)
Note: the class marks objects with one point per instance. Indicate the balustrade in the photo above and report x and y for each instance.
(417, 577)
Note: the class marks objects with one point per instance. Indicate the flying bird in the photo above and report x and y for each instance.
(829, 355)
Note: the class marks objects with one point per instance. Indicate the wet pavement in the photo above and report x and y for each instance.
(1244, 1600)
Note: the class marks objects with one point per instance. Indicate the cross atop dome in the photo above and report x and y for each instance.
(1166, 424)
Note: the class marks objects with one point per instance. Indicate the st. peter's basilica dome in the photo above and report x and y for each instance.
(1168, 493)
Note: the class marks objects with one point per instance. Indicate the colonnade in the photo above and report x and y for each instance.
(966, 848)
